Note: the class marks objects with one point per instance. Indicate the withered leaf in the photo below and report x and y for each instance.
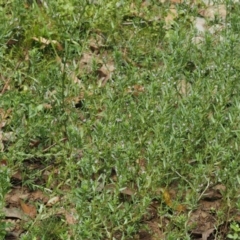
(39, 195)
(128, 191)
(214, 10)
(207, 233)
(14, 213)
(184, 88)
(30, 210)
(53, 201)
(169, 19)
(46, 42)
(15, 196)
(105, 72)
(70, 219)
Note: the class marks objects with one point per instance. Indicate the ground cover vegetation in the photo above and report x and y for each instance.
(119, 119)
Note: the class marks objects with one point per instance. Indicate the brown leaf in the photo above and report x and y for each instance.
(208, 205)
(39, 195)
(198, 40)
(96, 43)
(214, 193)
(4, 115)
(3, 163)
(9, 136)
(135, 89)
(86, 62)
(53, 201)
(215, 10)
(87, 58)
(220, 187)
(30, 210)
(47, 106)
(200, 24)
(202, 221)
(128, 191)
(109, 187)
(73, 76)
(184, 88)
(70, 219)
(34, 143)
(139, 88)
(68, 214)
(46, 42)
(15, 195)
(14, 213)
(172, 14)
(6, 85)
(105, 72)
(17, 175)
(207, 233)
(142, 164)
(157, 233)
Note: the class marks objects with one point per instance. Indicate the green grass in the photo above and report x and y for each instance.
(186, 140)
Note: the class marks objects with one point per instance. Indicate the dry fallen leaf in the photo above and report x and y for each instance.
(157, 232)
(46, 42)
(142, 164)
(39, 195)
(200, 24)
(85, 64)
(216, 29)
(207, 233)
(169, 19)
(69, 214)
(9, 136)
(104, 69)
(105, 72)
(3, 163)
(215, 10)
(4, 116)
(201, 223)
(138, 88)
(14, 213)
(198, 40)
(53, 201)
(96, 43)
(30, 210)
(184, 88)
(135, 89)
(70, 219)
(109, 187)
(15, 195)
(127, 191)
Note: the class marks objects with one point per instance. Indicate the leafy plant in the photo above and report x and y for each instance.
(234, 231)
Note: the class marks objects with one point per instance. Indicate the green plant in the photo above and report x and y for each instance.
(234, 231)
